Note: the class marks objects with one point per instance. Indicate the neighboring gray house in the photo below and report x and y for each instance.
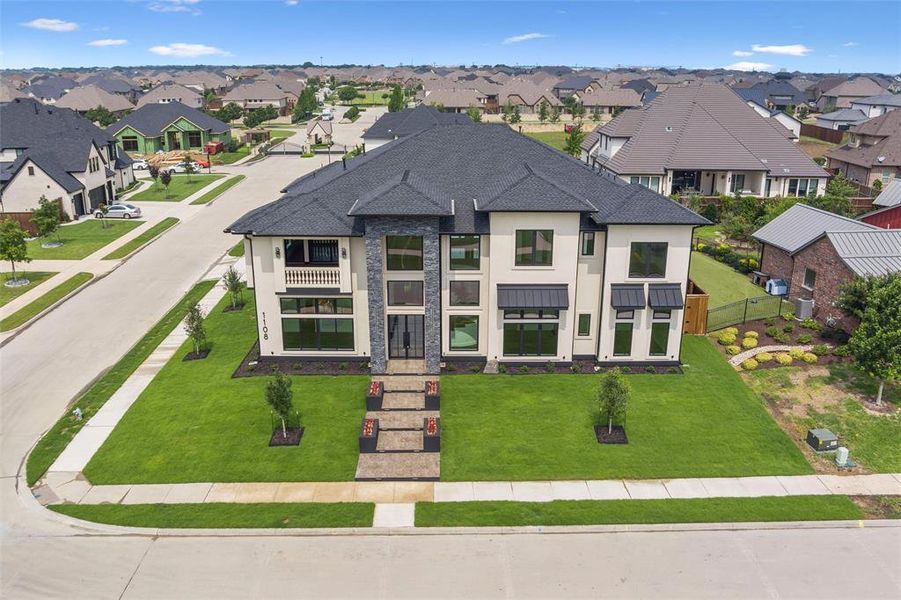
(171, 92)
(50, 89)
(394, 125)
(842, 95)
(876, 106)
(842, 119)
(87, 97)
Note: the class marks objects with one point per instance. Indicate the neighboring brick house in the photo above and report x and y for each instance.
(817, 252)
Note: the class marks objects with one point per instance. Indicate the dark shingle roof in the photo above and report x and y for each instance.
(151, 119)
(409, 121)
(576, 82)
(462, 166)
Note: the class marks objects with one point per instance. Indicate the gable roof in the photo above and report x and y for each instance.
(51, 87)
(890, 194)
(409, 121)
(705, 126)
(113, 84)
(152, 119)
(454, 97)
(574, 82)
(866, 253)
(801, 224)
(859, 86)
(86, 97)
(168, 91)
(477, 167)
(618, 97)
(256, 90)
(885, 152)
(880, 100)
(854, 115)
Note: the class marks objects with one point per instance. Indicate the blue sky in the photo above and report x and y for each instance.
(792, 35)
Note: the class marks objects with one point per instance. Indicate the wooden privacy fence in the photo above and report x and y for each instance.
(695, 315)
(24, 218)
(833, 136)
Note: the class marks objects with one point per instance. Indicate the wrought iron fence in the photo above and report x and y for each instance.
(749, 309)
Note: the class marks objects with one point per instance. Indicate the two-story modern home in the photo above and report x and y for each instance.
(704, 140)
(168, 126)
(468, 241)
(56, 153)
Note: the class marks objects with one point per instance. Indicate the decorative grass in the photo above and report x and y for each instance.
(36, 306)
(149, 235)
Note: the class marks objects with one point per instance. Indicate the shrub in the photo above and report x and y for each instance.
(750, 263)
(523, 369)
(796, 353)
(811, 324)
(841, 351)
(650, 369)
(352, 113)
(502, 368)
(749, 343)
(783, 359)
(576, 367)
(764, 357)
(789, 327)
(727, 339)
(820, 350)
(710, 213)
(804, 338)
(732, 330)
(789, 316)
(732, 350)
(809, 357)
(749, 365)
(773, 331)
(342, 366)
(751, 334)
(770, 321)
(782, 338)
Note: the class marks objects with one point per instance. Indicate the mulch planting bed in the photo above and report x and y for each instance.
(255, 366)
(827, 337)
(292, 439)
(196, 355)
(616, 436)
(236, 308)
(578, 367)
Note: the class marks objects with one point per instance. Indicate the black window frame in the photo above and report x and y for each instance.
(390, 295)
(465, 263)
(647, 260)
(400, 259)
(450, 330)
(587, 245)
(199, 138)
(318, 329)
(540, 329)
(456, 282)
(616, 332)
(542, 315)
(530, 260)
(127, 141)
(583, 328)
(656, 327)
(316, 306)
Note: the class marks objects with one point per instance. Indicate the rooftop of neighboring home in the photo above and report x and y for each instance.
(86, 97)
(881, 100)
(114, 84)
(454, 97)
(207, 79)
(890, 194)
(50, 87)
(859, 86)
(801, 225)
(574, 82)
(530, 92)
(58, 140)
(459, 173)
(772, 90)
(169, 92)
(255, 90)
(9, 92)
(151, 120)
(639, 85)
(409, 121)
(618, 97)
(703, 127)
(869, 252)
(886, 151)
(852, 115)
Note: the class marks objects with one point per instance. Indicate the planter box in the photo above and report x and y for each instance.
(374, 396)
(369, 436)
(431, 434)
(432, 395)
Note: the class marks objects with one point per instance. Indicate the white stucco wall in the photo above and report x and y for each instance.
(23, 193)
(483, 276)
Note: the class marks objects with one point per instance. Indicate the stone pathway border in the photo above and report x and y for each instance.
(743, 356)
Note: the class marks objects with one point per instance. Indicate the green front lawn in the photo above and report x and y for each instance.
(30, 310)
(147, 236)
(195, 423)
(180, 188)
(277, 134)
(724, 284)
(54, 441)
(227, 158)
(82, 239)
(218, 190)
(554, 139)
(370, 97)
(623, 512)
(705, 423)
(8, 294)
(214, 515)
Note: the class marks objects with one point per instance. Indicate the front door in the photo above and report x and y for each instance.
(406, 337)
(173, 141)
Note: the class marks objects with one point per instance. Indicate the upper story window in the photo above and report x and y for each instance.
(464, 252)
(31, 170)
(403, 252)
(405, 293)
(534, 247)
(301, 253)
(587, 243)
(647, 259)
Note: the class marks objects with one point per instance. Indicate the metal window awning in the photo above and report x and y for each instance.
(550, 296)
(665, 296)
(627, 296)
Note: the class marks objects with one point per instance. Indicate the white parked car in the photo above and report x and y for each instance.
(119, 211)
(139, 165)
(326, 114)
(180, 167)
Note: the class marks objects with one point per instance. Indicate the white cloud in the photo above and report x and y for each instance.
(105, 43)
(742, 53)
(183, 50)
(292, 2)
(51, 25)
(175, 6)
(789, 49)
(525, 37)
(745, 65)
(850, 44)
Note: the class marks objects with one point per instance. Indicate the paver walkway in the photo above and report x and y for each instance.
(742, 356)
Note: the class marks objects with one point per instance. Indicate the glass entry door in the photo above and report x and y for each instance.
(406, 338)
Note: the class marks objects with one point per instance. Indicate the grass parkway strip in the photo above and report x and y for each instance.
(8, 294)
(58, 437)
(146, 237)
(180, 188)
(206, 516)
(609, 512)
(30, 310)
(219, 190)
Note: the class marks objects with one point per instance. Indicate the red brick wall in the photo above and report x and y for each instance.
(831, 272)
(776, 263)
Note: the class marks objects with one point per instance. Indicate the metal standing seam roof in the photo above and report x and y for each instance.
(876, 252)
(801, 224)
(890, 194)
(627, 296)
(550, 296)
(665, 296)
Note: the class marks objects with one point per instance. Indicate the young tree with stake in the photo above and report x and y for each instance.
(195, 328)
(613, 396)
(280, 397)
(166, 179)
(13, 248)
(46, 218)
(234, 285)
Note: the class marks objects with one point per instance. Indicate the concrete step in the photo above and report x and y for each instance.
(400, 366)
(399, 441)
(405, 383)
(401, 419)
(402, 466)
(403, 401)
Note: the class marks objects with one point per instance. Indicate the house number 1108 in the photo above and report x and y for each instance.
(265, 328)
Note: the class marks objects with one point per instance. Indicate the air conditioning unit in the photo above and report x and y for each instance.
(804, 308)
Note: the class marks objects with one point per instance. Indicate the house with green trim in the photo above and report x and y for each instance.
(169, 126)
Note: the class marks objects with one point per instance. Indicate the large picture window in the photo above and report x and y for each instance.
(464, 293)
(130, 144)
(534, 247)
(403, 252)
(317, 306)
(194, 139)
(530, 339)
(464, 332)
(464, 252)
(318, 334)
(801, 187)
(652, 183)
(647, 259)
(405, 293)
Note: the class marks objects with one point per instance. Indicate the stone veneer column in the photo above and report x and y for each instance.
(378, 348)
